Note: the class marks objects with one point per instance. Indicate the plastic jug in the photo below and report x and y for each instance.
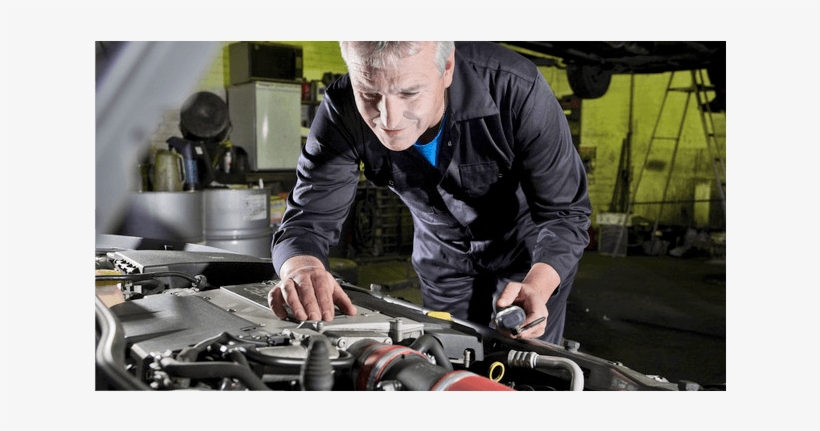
(169, 172)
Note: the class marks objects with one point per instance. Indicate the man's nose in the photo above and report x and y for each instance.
(391, 111)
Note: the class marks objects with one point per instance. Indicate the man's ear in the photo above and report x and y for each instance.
(449, 67)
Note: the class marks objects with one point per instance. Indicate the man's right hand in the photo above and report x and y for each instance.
(309, 290)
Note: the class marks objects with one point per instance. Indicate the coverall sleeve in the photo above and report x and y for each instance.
(553, 179)
(327, 174)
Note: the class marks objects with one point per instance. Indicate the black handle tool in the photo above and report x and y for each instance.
(512, 317)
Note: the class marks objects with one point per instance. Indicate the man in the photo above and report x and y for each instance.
(476, 145)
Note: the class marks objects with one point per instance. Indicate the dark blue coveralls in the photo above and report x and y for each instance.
(509, 188)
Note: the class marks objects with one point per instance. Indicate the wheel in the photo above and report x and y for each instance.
(588, 81)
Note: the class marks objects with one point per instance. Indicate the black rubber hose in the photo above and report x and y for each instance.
(430, 343)
(110, 352)
(415, 373)
(238, 357)
(317, 373)
(210, 370)
(149, 276)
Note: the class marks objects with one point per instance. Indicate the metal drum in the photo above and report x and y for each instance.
(238, 220)
(173, 216)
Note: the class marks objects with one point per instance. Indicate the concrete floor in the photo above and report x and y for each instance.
(658, 315)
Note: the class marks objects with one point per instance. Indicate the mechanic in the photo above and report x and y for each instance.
(473, 140)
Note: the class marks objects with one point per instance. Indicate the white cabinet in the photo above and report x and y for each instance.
(266, 121)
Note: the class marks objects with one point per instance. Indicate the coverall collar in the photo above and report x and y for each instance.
(465, 103)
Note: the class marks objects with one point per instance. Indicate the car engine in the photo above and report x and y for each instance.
(198, 319)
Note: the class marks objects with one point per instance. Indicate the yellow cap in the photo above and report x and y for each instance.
(443, 315)
(108, 290)
(106, 272)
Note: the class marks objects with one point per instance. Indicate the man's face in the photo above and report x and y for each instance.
(400, 103)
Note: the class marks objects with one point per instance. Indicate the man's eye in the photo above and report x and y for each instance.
(409, 94)
(369, 96)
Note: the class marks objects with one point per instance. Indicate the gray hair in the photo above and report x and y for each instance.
(381, 54)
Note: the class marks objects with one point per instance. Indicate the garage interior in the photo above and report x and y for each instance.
(651, 289)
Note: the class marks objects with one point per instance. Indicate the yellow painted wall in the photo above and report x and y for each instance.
(605, 123)
(318, 57)
(604, 126)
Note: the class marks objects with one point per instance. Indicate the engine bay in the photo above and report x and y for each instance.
(198, 319)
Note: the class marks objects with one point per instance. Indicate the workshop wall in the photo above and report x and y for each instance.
(321, 57)
(318, 57)
(604, 127)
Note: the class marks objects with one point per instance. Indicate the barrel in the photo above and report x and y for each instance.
(238, 220)
(173, 216)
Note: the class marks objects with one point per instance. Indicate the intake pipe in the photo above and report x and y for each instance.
(382, 366)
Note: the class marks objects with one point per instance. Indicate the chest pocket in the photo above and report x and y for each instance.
(477, 179)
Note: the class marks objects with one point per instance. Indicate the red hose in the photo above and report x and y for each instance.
(467, 381)
(376, 362)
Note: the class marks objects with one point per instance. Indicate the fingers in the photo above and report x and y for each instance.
(285, 293)
(523, 295)
(508, 295)
(341, 299)
(533, 327)
(276, 302)
(312, 299)
(301, 298)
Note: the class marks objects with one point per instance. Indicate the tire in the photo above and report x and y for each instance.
(588, 81)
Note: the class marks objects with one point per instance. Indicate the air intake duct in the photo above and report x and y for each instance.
(382, 366)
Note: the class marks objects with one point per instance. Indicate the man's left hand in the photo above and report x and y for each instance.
(531, 295)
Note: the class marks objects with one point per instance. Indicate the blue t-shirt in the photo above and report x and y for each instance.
(430, 150)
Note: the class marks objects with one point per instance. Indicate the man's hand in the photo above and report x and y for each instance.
(309, 290)
(531, 295)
